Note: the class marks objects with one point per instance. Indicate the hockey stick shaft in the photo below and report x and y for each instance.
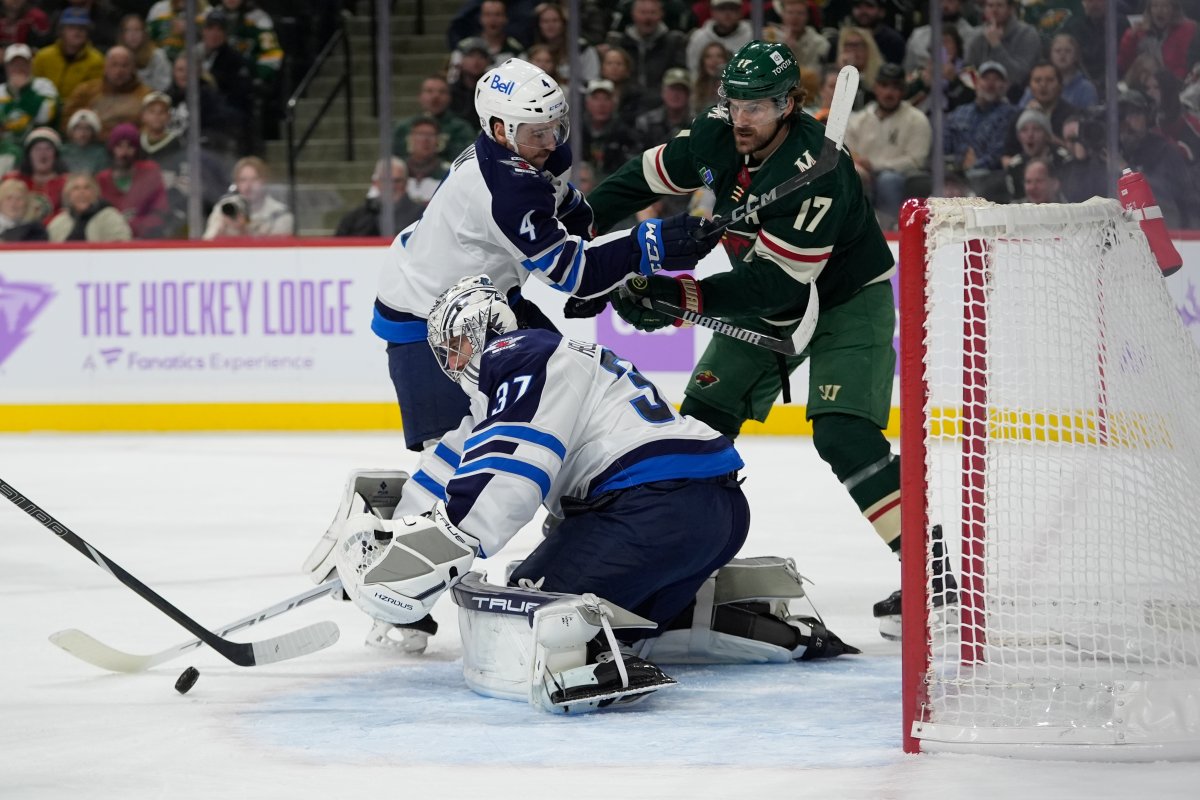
(835, 132)
(244, 654)
(789, 347)
(88, 648)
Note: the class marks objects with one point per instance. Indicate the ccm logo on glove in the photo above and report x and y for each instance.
(653, 261)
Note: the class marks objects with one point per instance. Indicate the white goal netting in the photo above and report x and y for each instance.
(1062, 443)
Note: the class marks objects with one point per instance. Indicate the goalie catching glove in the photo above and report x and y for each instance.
(677, 242)
(632, 300)
(396, 569)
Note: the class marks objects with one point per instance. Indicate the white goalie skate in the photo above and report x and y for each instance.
(407, 639)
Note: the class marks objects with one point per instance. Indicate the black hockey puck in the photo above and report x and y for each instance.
(187, 680)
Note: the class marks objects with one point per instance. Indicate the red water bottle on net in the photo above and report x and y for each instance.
(1137, 197)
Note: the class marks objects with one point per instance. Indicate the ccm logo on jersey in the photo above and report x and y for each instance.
(752, 205)
(505, 87)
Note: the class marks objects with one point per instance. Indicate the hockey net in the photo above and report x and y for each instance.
(1050, 398)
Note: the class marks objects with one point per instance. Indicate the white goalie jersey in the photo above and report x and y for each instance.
(556, 418)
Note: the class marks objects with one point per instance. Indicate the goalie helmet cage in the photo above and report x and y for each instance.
(1049, 426)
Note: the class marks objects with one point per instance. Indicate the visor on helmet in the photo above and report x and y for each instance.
(752, 113)
(543, 135)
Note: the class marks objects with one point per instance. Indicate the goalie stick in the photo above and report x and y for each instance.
(300, 642)
(93, 651)
(835, 133)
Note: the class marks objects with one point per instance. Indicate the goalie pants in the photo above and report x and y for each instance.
(647, 548)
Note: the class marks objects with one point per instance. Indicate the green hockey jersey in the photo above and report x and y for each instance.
(825, 231)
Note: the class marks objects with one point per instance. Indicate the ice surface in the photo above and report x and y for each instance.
(218, 524)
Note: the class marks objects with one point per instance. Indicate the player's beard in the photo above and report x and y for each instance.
(751, 139)
(536, 156)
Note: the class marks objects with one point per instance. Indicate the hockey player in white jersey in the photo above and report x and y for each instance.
(651, 509)
(506, 210)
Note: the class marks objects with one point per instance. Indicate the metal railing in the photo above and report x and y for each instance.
(342, 86)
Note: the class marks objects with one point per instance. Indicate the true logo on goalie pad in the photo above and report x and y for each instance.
(504, 605)
(500, 599)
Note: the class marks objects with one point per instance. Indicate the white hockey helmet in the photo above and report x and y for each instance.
(461, 321)
(520, 94)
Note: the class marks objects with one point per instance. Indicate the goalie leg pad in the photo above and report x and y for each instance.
(741, 616)
(367, 491)
(553, 651)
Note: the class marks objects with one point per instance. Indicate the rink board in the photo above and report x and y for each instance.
(204, 337)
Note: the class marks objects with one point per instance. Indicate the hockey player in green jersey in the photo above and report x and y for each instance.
(753, 140)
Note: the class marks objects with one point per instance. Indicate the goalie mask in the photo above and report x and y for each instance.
(460, 323)
(529, 102)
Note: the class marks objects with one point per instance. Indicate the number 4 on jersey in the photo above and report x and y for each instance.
(527, 226)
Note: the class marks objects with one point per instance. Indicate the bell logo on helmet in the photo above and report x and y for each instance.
(505, 87)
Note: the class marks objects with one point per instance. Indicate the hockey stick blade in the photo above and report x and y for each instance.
(835, 132)
(244, 654)
(93, 651)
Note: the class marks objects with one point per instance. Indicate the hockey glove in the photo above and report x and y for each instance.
(528, 314)
(677, 242)
(584, 307)
(631, 300)
(396, 569)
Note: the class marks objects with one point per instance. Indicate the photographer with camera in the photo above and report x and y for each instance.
(248, 210)
(1086, 174)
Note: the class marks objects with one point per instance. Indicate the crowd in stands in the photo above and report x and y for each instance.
(97, 90)
(94, 118)
(1022, 86)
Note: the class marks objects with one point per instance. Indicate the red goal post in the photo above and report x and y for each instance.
(1049, 396)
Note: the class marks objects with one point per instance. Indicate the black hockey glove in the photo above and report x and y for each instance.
(529, 315)
(677, 242)
(629, 300)
(584, 307)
